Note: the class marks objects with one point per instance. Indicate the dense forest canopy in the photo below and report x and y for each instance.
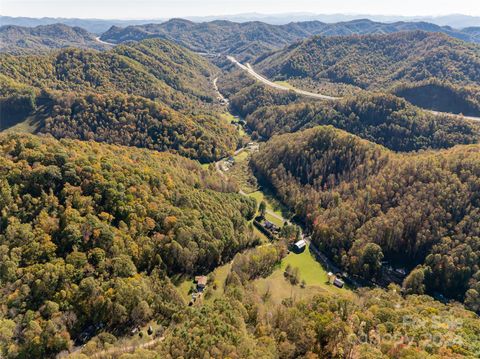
(380, 118)
(89, 234)
(365, 205)
(105, 219)
(18, 40)
(153, 69)
(151, 94)
(245, 323)
(249, 40)
(383, 62)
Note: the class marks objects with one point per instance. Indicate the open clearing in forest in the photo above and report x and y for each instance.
(310, 270)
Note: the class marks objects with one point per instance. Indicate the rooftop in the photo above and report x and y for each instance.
(201, 280)
(301, 243)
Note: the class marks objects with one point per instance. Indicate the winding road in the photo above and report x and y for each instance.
(267, 82)
(280, 87)
(97, 39)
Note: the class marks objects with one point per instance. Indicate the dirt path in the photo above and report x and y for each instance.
(128, 349)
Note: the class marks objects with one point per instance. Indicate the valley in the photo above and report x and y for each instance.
(217, 189)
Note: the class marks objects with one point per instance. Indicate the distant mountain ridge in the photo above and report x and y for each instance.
(245, 40)
(97, 26)
(221, 36)
(24, 40)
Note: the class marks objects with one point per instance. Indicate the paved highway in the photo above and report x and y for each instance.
(267, 82)
(103, 42)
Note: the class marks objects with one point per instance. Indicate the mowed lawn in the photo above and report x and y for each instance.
(310, 270)
(242, 156)
(272, 205)
(220, 274)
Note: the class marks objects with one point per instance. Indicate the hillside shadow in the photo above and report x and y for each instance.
(25, 120)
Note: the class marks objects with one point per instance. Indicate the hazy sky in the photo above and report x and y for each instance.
(150, 9)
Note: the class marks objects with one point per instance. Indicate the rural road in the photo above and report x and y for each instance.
(128, 349)
(269, 83)
(219, 94)
(454, 115)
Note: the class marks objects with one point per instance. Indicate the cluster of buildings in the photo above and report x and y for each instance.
(269, 226)
(228, 163)
(200, 284)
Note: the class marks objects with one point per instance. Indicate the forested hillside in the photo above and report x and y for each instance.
(250, 39)
(380, 118)
(151, 94)
(365, 205)
(245, 323)
(383, 119)
(384, 62)
(90, 233)
(26, 40)
(153, 69)
(129, 221)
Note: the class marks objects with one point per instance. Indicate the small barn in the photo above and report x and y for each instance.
(300, 245)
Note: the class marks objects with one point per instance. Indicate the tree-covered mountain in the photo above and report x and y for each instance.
(380, 118)
(90, 233)
(384, 63)
(474, 33)
(365, 205)
(24, 40)
(250, 39)
(151, 94)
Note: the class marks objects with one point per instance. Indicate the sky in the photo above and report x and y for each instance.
(161, 9)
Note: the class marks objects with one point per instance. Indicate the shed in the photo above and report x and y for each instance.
(401, 271)
(338, 283)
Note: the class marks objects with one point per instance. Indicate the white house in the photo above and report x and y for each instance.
(300, 244)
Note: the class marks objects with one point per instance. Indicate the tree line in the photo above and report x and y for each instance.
(91, 233)
(366, 205)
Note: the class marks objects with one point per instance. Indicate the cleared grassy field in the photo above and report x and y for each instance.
(263, 237)
(311, 272)
(228, 118)
(275, 220)
(242, 156)
(272, 204)
(275, 288)
(183, 285)
(220, 274)
(285, 84)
